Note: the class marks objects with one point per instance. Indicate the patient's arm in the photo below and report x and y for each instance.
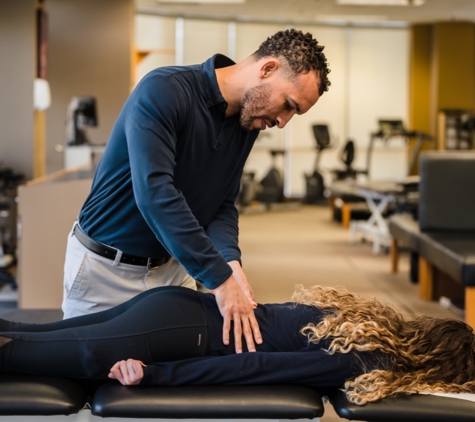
(306, 367)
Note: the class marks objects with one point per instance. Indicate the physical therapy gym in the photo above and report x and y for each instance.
(237, 210)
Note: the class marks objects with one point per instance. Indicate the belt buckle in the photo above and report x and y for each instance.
(150, 266)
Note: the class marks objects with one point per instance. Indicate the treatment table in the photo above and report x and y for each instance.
(42, 399)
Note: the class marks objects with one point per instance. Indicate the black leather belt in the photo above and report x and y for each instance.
(109, 252)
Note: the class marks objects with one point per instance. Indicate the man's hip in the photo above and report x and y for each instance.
(93, 282)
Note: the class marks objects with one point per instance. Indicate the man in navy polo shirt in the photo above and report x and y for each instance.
(161, 210)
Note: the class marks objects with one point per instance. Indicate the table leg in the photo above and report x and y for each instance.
(346, 215)
(394, 255)
(426, 279)
(470, 306)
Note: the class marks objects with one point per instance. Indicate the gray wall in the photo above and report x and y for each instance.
(17, 71)
(90, 44)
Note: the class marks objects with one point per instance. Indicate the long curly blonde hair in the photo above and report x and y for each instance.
(422, 354)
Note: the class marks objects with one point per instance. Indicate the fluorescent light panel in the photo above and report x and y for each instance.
(381, 2)
(350, 18)
(201, 1)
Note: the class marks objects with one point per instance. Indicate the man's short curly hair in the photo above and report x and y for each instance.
(301, 51)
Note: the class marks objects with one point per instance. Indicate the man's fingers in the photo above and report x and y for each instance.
(226, 328)
(235, 306)
(255, 329)
(247, 333)
(237, 333)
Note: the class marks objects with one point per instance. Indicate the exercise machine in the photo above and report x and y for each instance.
(347, 157)
(314, 182)
(271, 188)
(386, 198)
(395, 128)
(247, 192)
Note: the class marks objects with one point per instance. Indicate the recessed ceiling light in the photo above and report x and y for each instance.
(381, 2)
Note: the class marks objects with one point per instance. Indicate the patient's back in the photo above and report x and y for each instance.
(280, 325)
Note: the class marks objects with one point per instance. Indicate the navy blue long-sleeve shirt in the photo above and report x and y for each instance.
(170, 174)
(285, 356)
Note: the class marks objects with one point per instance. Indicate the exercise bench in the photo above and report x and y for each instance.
(444, 235)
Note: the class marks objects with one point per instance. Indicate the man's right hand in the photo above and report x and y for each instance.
(235, 306)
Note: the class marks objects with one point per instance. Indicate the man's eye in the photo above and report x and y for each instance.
(287, 106)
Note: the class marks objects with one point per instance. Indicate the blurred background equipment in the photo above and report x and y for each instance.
(9, 181)
(79, 151)
(314, 182)
(81, 114)
(271, 187)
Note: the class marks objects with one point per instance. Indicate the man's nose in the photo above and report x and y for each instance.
(283, 119)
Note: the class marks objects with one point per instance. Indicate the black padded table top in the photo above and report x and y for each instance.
(380, 187)
(405, 228)
(452, 252)
(214, 402)
(414, 408)
(345, 191)
(357, 191)
(34, 395)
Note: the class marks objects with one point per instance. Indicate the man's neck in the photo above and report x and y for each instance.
(233, 82)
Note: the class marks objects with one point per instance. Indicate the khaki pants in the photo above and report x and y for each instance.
(93, 283)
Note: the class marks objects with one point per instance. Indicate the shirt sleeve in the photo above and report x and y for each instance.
(152, 127)
(310, 367)
(224, 231)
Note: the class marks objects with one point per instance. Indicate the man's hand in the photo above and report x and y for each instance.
(127, 372)
(235, 306)
(241, 279)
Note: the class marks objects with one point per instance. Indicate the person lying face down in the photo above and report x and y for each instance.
(324, 338)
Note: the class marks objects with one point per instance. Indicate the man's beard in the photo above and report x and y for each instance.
(255, 101)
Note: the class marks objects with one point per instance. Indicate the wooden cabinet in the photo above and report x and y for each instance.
(47, 209)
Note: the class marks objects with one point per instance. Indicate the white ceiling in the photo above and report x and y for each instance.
(316, 11)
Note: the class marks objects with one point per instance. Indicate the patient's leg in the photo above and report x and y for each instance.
(96, 318)
(149, 331)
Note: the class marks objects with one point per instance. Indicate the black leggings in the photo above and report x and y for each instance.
(159, 325)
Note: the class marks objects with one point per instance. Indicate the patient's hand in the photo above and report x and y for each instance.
(127, 372)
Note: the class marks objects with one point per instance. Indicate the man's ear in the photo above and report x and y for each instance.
(268, 68)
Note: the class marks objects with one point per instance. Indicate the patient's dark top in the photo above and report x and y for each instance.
(284, 357)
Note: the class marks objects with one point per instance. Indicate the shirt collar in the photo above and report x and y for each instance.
(212, 88)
